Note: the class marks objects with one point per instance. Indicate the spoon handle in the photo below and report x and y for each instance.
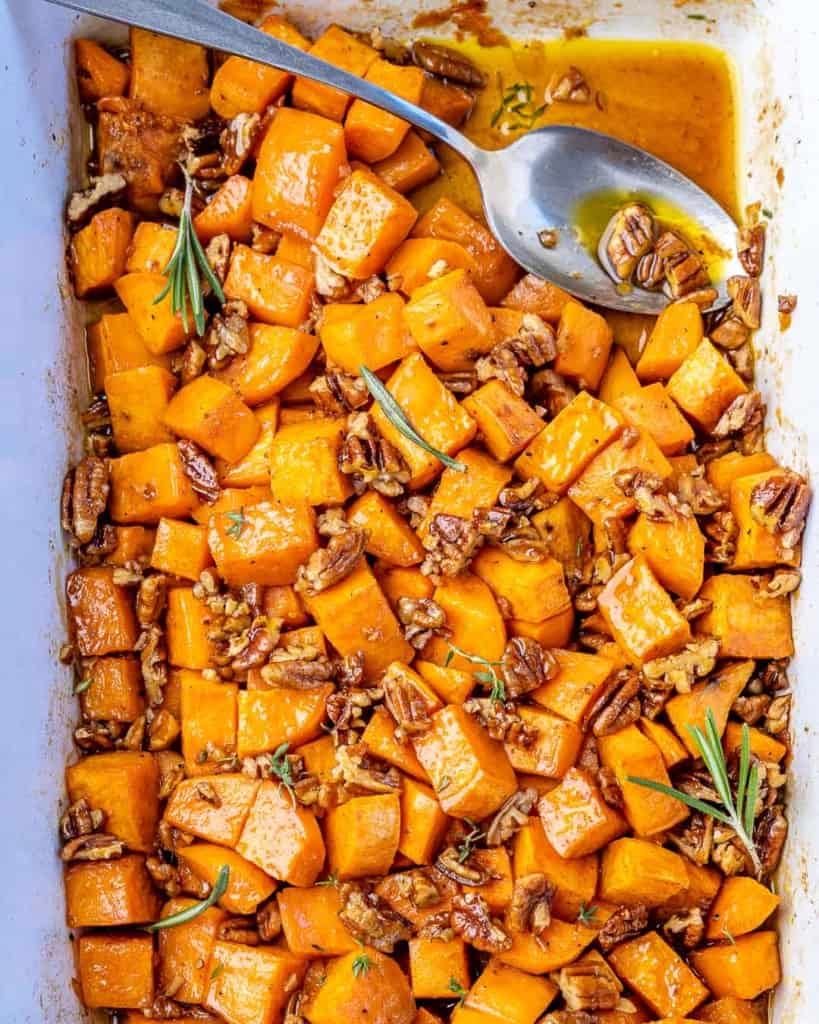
(198, 22)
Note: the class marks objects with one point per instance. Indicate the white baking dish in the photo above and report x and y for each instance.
(42, 384)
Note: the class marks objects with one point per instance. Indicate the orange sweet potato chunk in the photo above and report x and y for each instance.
(423, 822)
(744, 969)
(105, 894)
(210, 413)
(650, 967)
(450, 321)
(282, 837)
(757, 547)
(251, 984)
(576, 819)
(137, 401)
(742, 905)
(209, 720)
(559, 944)
(578, 682)
(275, 290)
(98, 72)
(673, 550)
(379, 738)
(373, 134)
(151, 248)
(228, 212)
(675, 336)
(115, 690)
(345, 51)
(248, 886)
(262, 543)
(474, 618)
(636, 871)
(147, 485)
(188, 623)
(436, 967)
(503, 992)
(413, 260)
(389, 536)
(362, 835)
(160, 328)
(114, 344)
(268, 718)
(460, 492)
(185, 949)
(374, 334)
(314, 443)
(180, 549)
(651, 409)
(382, 995)
(532, 294)
(534, 590)
(575, 880)
(98, 252)
(277, 356)
(412, 165)
(221, 824)
(507, 423)
(554, 751)
(705, 385)
(584, 341)
(116, 970)
(125, 785)
(169, 76)
(747, 625)
(101, 614)
(619, 378)
(310, 922)
(722, 472)
(730, 1010)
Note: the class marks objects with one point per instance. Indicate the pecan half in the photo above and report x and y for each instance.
(171, 771)
(84, 498)
(370, 919)
(751, 248)
(337, 393)
(370, 459)
(514, 533)
(780, 503)
(697, 494)
(150, 599)
(647, 491)
(511, 816)
(686, 928)
(228, 334)
(695, 661)
(259, 641)
(328, 566)
(746, 296)
(445, 63)
(103, 191)
(525, 665)
(530, 906)
(552, 391)
(745, 414)
(405, 702)
(778, 584)
(199, 470)
(695, 838)
(624, 923)
(502, 721)
(80, 819)
(510, 360)
(363, 774)
(786, 304)
(731, 333)
(464, 870)
(153, 662)
(618, 705)
(451, 543)
(97, 846)
(297, 673)
(683, 268)
(269, 921)
(587, 985)
(422, 619)
(630, 236)
(472, 920)
(769, 837)
(238, 929)
(568, 87)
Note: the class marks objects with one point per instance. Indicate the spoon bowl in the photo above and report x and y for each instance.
(536, 183)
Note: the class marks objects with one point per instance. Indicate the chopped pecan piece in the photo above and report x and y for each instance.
(523, 499)
(780, 583)
(258, 641)
(337, 393)
(551, 391)
(625, 923)
(525, 665)
(406, 703)
(153, 662)
(568, 87)
(514, 533)
(530, 907)
(786, 304)
(445, 63)
(96, 736)
(610, 788)
(695, 661)
(370, 919)
(103, 191)
(84, 498)
(588, 986)
(238, 929)
(422, 619)
(228, 334)
(721, 535)
(769, 838)
(150, 599)
(363, 774)
(646, 490)
(199, 470)
(97, 846)
(752, 708)
(370, 459)
(745, 414)
(687, 928)
(472, 921)
(751, 248)
(731, 333)
(459, 382)
(189, 362)
(171, 771)
(618, 705)
(459, 868)
(697, 494)
(269, 921)
(630, 237)
(297, 673)
(780, 503)
(511, 816)
(346, 708)
(330, 565)
(80, 819)
(237, 141)
(691, 610)
(217, 253)
(509, 360)
(451, 543)
(549, 237)
(695, 838)
(746, 296)
(501, 721)
(778, 715)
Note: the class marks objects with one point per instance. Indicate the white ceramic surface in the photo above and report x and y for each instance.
(774, 44)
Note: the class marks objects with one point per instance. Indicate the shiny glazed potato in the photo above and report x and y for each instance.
(403, 579)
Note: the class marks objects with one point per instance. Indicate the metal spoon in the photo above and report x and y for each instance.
(536, 183)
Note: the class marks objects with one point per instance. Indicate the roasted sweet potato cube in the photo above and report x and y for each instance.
(438, 967)
(362, 835)
(423, 822)
(228, 212)
(563, 449)
(98, 252)
(142, 145)
(554, 751)
(474, 618)
(345, 51)
(185, 949)
(674, 551)
(746, 625)
(254, 469)
(310, 922)
(640, 614)
(671, 750)
(478, 485)
(263, 543)
(705, 385)
(450, 321)
(558, 945)
(379, 738)
(703, 885)
(553, 631)
(596, 490)
(650, 967)
(355, 616)
(160, 328)
(242, 86)
(101, 614)
(209, 721)
(231, 499)
(470, 772)
(731, 1010)
(380, 996)
(297, 171)
(268, 718)
(314, 443)
(151, 248)
(397, 582)
(619, 378)
(248, 886)
(567, 532)
(584, 341)
(251, 984)
(116, 970)
(373, 334)
(138, 400)
(534, 590)
(452, 685)
(742, 905)
(147, 485)
(220, 823)
(169, 76)
(180, 549)
(575, 880)
(108, 893)
(532, 294)
(114, 344)
(365, 225)
(576, 819)
(496, 270)
(628, 753)
(125, 785)
(275, 290)
(282, 837)
(636, 871)
(651, 409)
(98, 72)
(757, 547)
(188, 623)
(277, 356)
(716, 694)
(451, 102)
(389, 536)
(578, 682)
(115, 690)
(744, 968)
(505, 993)
(722, 472)
(764, 746)
(373, 134)
(413, 260)
(507, 423)
(412, 165)
(210, 413)
(282, 602)
(676, 334)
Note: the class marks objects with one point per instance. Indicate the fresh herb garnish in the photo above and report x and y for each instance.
(187, 260)
(767, 213)
(586, 915)
(457, 989)
(217, 970)
(395, 414)
(83, 685)
(701, 17)
(467, 844)
(445, 781)
(516, 103)
(361, 965)
(189, 913)
(488, 675)
(283, 770)
(237, 523)
(737, 813)
(331, 879)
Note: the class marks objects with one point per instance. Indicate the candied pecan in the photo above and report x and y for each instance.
(511, 816)
(523, 499)
(786, 304)
(459, 868)
(588, 985)
(163, 729)
(751, 248)
(237, 141)
(731, 333)
(650, 272)
(514, 533)
(744, 415)
(328, 566)
(459, 382)
(721, 534)
(100, 546)
(751, 708)
(451, 543)
(134, 738)
(217, 253)
(780, 503)
(646, 490)
(337, 393)
(445, 63)
(297, 673)
(153, 663)
(568, 1017)
(370, 919)
(729, 857)
(263, 239)
(509, 360)
(370, 459)
(550, 390)
(618, 705)
(624, 923)
(363, 774)
(228, 334)
(472, 921)
(525, 665)
(746, 296)
(80, 819)
(682, 668)
(610, 788)
(102, 191)
(349, 670)
(406, 703)
(702, 297)
(150, 599)
(530, 909)
(568, 87)
(769, 837)
(199, 470)
(171, 771)
(258, 643)
(269, 921)
(189, 362)
(742, 360)
(346, 708)
(693, 609)
(96, 846)
(687, 928)
(84, 498)
(422, 619)
(683, 268)
(501, 721)
(778, 715)
(630, 236)
(695, 492)
(780, 583)
(96, 736)
(238, 929)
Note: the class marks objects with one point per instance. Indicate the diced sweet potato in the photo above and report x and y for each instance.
(373, 334)
(180, 549)
(98, 72)
(311, 924)
(114, 344)
(470, 772)
(746, 625)
(576, 819)
(451, 102)
(188, 810)
(242, 86)
(314, 443)
(563, 449)
(355, 616)
(671, 750)
(188, 623)
(365, 225)
(635, 871)
(101, 614)
(423, 822)
(553, 631)
(730, 1010)
(650, 967)
(449, 321)
(379, 738)
(277, 356)
(185, 949)
(147, 485)
(619, 378)
(507, 423)
(268, 718)
(460, 492)
(630, 753)
(651, 409)
(436, 967)
(575, 880)
(228, 212)
(254, 469)
(275, 290)
(397, 582)
(757, 547)
(703, 884)
(742, 905)
(505, 993)
(676, 335)
(138, 400)
(115, 690)
(151, 248)
(125, 786)
(745, 968)
(717, 695)
(362, 835)
(674, 551)
(640, 614)
(389, 536)
(139, 144)
(705, 385)
(169, 76)
(251, 984)
(373, 134)
(248, 886)
(473, 616)
(413, 260)
(534, 590)
(379, 995)
(559, 944)
(583, 344)
(262, 543)
(452, 685)
(209, 719)
(554, 751)
(345, 51)
(98, 252)
(108, 893)
(282, 837)
(160, 328)
(576, 685)
(533, 294)
(116, 970)
(210, 413)
(133, 544)
(410, 166)
(567, 532)
(764, 746)
(722, 472)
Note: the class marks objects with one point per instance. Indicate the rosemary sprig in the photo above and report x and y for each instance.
(395, 414)
(282, 769)
(457, 989)
(331, 879)
(516, 101)
(187, 261)
(467, 845)
(487, 675)
(737, 814)
(189, 913)
(361, 965)
(237, 523)
(586, 915)
(83, 685)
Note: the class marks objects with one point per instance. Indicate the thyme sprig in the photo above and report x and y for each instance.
(738, 813)
(395, 414)
(361, 964)
(586, 915)
(283, 770)
(83, 685)
(458, 990)
(516, 101)
(189, 913)
(487, 675)
(467, 844)
(188, 261)
(237, 523)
